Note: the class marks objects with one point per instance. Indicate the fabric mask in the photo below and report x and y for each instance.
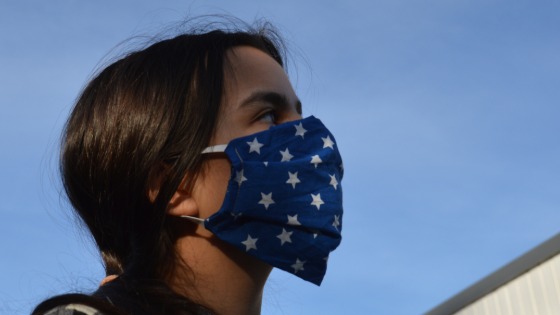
(283, 203)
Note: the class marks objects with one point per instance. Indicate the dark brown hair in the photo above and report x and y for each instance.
(147, 115)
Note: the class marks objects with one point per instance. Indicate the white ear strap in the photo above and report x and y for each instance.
(193, 219)
(215, 148)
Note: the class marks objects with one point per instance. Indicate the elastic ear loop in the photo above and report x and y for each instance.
(211, 149)
(215, 149)
(193, 219)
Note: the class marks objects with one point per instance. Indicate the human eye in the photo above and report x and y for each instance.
(268, 117)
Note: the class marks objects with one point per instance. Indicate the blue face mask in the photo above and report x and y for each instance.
(283, 203)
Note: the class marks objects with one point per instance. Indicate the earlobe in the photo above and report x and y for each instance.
(181, 204)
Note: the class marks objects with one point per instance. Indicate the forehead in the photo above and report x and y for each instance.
(249, 69)
(254, 84)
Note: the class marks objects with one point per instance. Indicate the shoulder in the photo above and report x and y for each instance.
(75, 304)
(74, 309)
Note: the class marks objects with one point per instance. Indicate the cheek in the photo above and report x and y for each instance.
(211, 187)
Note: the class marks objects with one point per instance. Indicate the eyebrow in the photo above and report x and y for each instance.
(274, 98)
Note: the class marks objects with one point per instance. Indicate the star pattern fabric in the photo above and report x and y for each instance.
(284, 200)
(317, 201)
(250, 243)
(286, 156)
(327, 142)
(266, 200)
(285, 236)
(255, 146)
(239, 178)
(316, 160)
(300, 131)
(333, 181)
(293, 220)
(293, 180)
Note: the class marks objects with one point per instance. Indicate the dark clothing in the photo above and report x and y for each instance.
(74, 309)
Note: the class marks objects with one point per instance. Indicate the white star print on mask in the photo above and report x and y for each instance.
(286, 156)
(266, 200)
(298, 266)
(293, 220)
(255, 146)
(317, 201)
(285, 236)
(328, 143)
(293, 179)
(239, 178)
(316, 160)
(336, 222)
(300, 131)
(250, 243)
(333, 182)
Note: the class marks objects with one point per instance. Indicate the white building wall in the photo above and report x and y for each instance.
(535, 292)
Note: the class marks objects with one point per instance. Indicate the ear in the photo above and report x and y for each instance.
(182, 203)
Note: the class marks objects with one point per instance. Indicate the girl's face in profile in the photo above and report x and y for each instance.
(258, 95)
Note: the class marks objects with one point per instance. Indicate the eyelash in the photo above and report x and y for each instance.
(269, 113)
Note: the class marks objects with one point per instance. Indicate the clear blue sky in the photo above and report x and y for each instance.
(446, 113)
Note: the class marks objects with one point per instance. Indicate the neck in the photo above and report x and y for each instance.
(219, 276)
